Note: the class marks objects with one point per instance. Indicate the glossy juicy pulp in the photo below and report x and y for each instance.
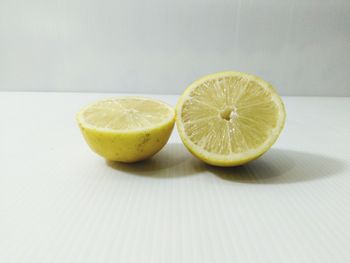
(126, 114)
(230, 115)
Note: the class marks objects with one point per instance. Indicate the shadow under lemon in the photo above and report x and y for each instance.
(277, 166)
(172, 161)
(281, 166)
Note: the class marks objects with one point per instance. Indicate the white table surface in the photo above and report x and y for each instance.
(59, 202)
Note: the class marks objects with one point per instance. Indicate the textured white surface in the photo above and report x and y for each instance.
(59, 202)
(161, 46)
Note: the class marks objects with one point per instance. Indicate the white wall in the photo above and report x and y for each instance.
(160, 46)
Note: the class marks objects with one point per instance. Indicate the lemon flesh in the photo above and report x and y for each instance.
(126, 129)
(229, 118)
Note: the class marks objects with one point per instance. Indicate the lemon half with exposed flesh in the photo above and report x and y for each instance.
(126, 129)
(229, 118)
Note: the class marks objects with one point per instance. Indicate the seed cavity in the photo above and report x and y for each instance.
(228, 114)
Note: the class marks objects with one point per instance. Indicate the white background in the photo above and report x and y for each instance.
(157, 46)
(61, 203)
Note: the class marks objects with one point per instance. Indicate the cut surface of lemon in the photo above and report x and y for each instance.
(229, 118)
(126, 129)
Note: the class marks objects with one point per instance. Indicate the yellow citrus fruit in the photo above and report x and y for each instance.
(126, 129)
(229, 118)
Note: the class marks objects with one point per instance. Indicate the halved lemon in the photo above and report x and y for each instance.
(126, 129)
(229, 118)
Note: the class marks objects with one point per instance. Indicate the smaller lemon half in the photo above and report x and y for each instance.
(126, 129)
